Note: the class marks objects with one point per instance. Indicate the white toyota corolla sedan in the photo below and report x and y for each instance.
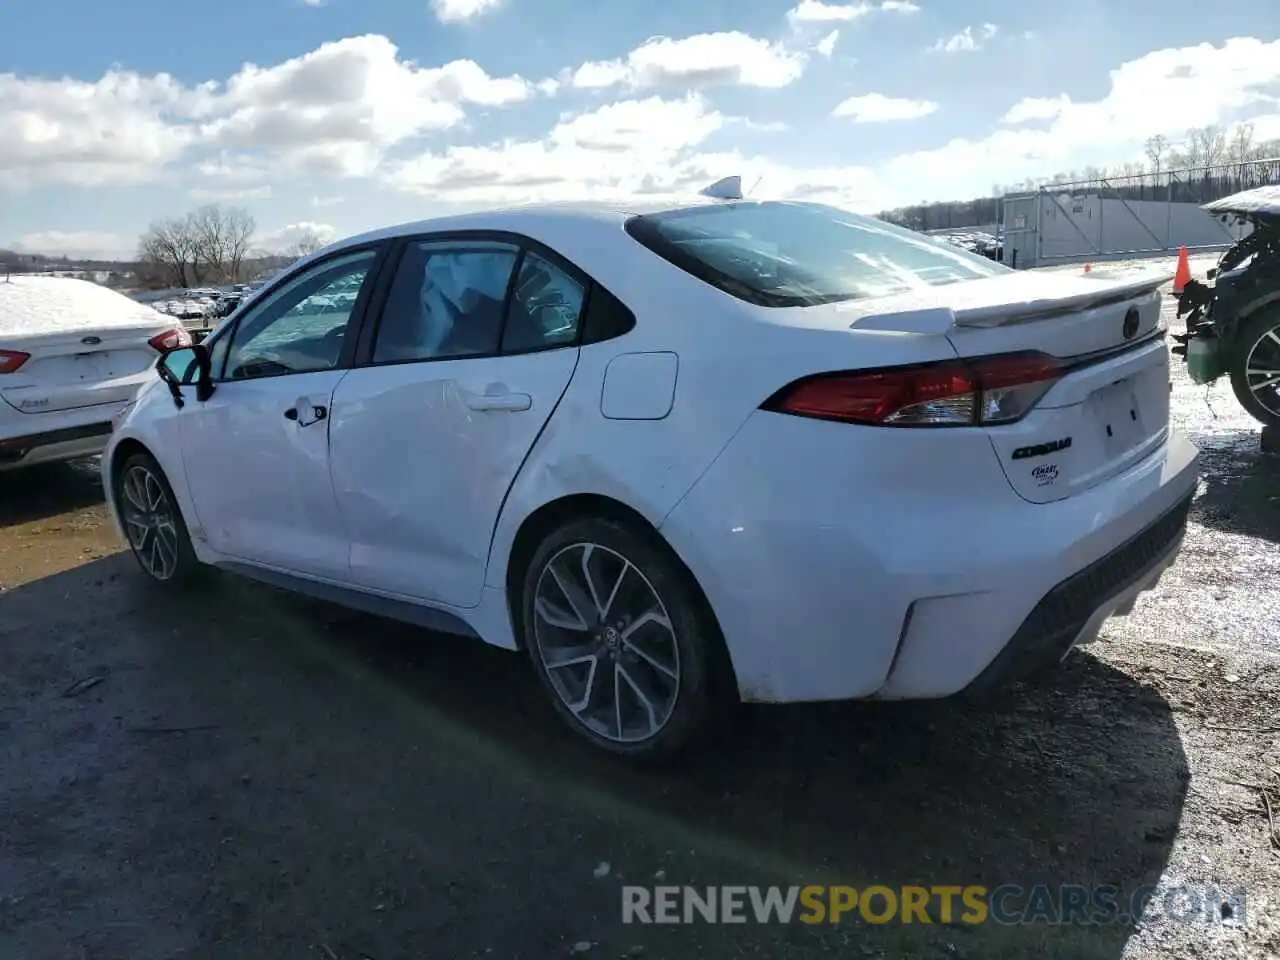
(727, 448)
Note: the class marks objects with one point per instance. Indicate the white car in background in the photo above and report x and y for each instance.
(72, 354)
(679, 454)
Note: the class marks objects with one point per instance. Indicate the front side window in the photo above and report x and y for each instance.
(799, 254)
(300, 327)
(447, 300)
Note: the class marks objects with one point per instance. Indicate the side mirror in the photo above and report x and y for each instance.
(187, 366)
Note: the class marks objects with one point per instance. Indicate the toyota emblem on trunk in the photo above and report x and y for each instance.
(1131, 321)
(91, 340)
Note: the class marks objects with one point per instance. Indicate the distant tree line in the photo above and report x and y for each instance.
(208, 245)
(211, 245)
(1210, 163)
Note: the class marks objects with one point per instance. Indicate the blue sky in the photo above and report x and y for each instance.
(345, 114)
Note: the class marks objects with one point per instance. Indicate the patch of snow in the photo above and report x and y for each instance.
(40, 305)
(1264, 200)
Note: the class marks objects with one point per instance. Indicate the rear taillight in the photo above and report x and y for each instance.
(171, 340)
(11, 360)
(952, 393)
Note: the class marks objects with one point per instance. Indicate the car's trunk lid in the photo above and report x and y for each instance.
(89, 367)
(87, 345)
(1110, 407)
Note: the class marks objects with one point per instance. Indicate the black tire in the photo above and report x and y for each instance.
(1250, 334)
(700, 689)
(187, 571)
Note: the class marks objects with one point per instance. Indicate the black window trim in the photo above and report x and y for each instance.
(371, 322)
(355, 320)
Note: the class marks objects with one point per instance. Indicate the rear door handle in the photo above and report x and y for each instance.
(500, 401)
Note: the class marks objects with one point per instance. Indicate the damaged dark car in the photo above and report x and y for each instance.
(1233, 320)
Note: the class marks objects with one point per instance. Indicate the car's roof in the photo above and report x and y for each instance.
(41, 304)
(529, 217)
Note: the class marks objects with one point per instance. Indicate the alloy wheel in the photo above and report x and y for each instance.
(606, 642)
(149, 521)
(1262, 370)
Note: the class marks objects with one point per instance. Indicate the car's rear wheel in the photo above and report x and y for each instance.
(153, 523)
(1255, 370)
(620, 639)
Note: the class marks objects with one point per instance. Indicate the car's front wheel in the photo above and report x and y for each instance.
(153, 523)
(620, 640)
(1255, 371)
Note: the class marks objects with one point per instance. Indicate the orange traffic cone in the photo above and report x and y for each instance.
(1182, 275)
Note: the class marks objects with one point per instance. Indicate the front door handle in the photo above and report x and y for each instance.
(500, 401)
(314, 415)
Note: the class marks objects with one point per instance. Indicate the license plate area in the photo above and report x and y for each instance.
(1117, 411)
(87, 366)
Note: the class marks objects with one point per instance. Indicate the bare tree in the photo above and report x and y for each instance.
(222, 238)
(1156, 147)
(170, 247)
(1206, 146)
(1241, 148)
(307, 243)
(208, 244)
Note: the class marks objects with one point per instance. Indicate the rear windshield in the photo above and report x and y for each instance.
(799, 254)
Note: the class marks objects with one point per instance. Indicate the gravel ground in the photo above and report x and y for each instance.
(247, 774)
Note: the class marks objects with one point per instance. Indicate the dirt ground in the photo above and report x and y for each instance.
(248, 774)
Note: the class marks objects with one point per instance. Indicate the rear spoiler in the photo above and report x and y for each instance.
(1114, 291)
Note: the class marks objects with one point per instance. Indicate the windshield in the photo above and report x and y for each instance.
(799, 254)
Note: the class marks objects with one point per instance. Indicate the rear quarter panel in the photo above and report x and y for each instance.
(732, 356)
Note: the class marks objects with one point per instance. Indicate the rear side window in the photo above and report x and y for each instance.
(778, 254)
(447, 301)
(546, 304)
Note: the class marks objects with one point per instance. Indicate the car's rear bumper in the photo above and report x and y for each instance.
(900, 564)
(57, 443)
(1073, 612)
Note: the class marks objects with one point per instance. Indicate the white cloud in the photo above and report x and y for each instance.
(877, 108)
(230, 194)
(1164, 92)
(702, 60)
(337, 109)
(1036, 108)
(75, 244)
(357, 103)
(318, 201)
(313, 3)
(827, 45)
(116, 130)
(285, 237)
(612, 150)
(457, 11)
(816, 11)
(761, 126)
(967, 40)
(658, 146)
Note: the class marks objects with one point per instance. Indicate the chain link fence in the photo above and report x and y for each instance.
(1129, 215)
